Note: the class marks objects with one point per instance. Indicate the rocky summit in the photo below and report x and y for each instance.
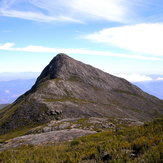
(67, 88)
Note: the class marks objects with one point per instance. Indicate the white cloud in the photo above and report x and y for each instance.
(135, 77)
(159, 78)
(139, 38)
(42, 49)
(7, 9)
(113, 10)
(7, 91)
(36, 16)
(138, 77)
(6, 46)
(66, 10)
(82, 10)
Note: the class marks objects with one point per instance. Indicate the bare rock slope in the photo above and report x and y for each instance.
(68, 88)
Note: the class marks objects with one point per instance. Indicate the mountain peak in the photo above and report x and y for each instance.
(62, 56)
(68, 88)
(59, 60)
(58, 67)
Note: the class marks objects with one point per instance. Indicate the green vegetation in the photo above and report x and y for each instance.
(130, 144)
(96, 88)
(3, 110)
(7, 112)
(72, 99)
(75, 79)
(128, 93)
(15, 133)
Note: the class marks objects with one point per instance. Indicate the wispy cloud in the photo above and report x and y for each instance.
(8, 9)
(7, 91)
(43, 49)
(36, 16)
(135, 77)
(7, 46)
(139, 77)
(159, 78)
(139, 38)
(112, 10)
(83, 10)
(63, 10)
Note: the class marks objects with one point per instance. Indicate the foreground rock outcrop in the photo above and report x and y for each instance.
(71, 89)
(47, 138)
(64, 130)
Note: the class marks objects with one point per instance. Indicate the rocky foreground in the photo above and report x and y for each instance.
(77, 113)
(66, 130)
(115, 142)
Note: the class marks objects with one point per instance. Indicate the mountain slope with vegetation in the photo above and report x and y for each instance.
(71, 89)
(124, 144)
(77, 113)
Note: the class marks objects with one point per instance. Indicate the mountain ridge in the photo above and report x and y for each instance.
(67, 88)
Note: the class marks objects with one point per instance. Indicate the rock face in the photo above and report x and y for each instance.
(68, 88)
(46, 138)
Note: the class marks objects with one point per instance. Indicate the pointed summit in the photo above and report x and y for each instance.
(68, 88)
(61, 58)
(64, 67)
(56, 68)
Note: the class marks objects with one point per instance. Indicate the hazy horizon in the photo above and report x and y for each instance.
(12, 85)
(132, 77)
(120, 37)
(117, 36)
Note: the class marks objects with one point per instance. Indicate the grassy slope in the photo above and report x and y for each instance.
(132, 144)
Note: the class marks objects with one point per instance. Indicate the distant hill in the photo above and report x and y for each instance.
(154, 87)
(7, 76)
(68, 88)
(3, 105)
(11, 90)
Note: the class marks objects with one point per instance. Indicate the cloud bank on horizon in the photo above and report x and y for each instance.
(140, 77)
(123, 28)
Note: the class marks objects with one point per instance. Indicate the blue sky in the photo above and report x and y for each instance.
(118, 36)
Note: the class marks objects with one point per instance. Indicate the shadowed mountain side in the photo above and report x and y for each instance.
(68, 88)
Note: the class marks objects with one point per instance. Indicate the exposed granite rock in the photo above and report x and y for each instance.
(71, 89)
(92, 124)
(46, 138)
(65, 130)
